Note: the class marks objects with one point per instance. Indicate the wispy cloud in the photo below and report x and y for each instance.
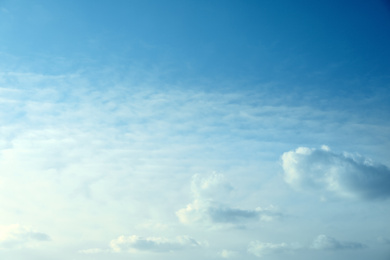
(93, 251)
(345, 175)
(104, 122)
(383, 240)
(324, 242)
(229, 254)
(152, 244)
(137, 244)
(86, 150)
(321, 242)
(261, 249)
(17, 236)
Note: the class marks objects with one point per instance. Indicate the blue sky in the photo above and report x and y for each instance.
(194, 129)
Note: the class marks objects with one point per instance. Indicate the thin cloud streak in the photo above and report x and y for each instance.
(323, 242)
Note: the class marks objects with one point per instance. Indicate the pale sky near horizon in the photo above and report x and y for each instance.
(194, 129)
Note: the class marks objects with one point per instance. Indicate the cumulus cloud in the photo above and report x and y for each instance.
(17, 236)
(345, 175)
(208, 205)
(152, 244)
(323, 242)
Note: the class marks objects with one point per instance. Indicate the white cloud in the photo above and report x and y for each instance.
(92, 251)
(228, 253)
(214, 186)
(152, 244)
(86, 152)
(323, 242)
(17, 236)
(209, 204)
(345, 175)
(261, 249)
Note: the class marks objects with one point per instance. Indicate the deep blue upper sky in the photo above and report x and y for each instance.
(305, 42)
(323, 53)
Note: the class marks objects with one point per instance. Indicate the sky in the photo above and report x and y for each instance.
(194, 129)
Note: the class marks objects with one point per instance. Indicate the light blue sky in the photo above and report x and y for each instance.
(194, 130)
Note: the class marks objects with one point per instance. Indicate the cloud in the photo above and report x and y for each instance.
(323, 242)
(152, 244)
(87, 155)
(261, 249)
(383, 240)
(230, 215)
(228, 254)
(92, 251)
(215, 186)
(345, 175)
(209, 204)
(16, 236)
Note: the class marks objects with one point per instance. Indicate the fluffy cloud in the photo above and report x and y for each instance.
(208, 205)
(261, 249)
(323, 242)
(345, 175)
(152, 244)
(16, 236)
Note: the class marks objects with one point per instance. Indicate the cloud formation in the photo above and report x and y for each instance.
(152, 244)
(229, 254)
(345, 175)
(261, 249)
(17, 236)
(92, 251)
(209, 204)
(323, 242)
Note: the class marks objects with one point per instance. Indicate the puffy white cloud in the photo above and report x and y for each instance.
(17, 236)
(152, 244)
(209, 204)
(323, 242)
(345, 175)
(261, 249)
